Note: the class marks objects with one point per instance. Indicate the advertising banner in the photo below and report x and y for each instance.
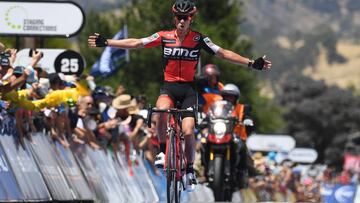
(9, 189)
(40, 18)
(352, 162)
(91, 174)
(278, 143)
(51, 171)
(303, 155)
(339, 193)
(159, 182)
(130, 180)
(25, 170)
(72, 173)
(144, 181)
(112, 185)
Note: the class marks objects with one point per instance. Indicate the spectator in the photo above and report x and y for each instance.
(141, 105)
(120, 90)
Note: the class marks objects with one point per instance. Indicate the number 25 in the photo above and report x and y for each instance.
(69, 65)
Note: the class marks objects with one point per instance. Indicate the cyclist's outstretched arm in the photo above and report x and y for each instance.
(235, 58)
(98, 40)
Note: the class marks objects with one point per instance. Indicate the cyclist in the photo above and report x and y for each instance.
(231, 93)
(181, 52)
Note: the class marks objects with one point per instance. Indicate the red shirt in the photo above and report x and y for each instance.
(180, 58)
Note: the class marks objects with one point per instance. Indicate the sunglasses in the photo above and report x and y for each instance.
(183, 17)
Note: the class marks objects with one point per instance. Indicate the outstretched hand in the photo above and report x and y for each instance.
(97, 40)
(261, 63)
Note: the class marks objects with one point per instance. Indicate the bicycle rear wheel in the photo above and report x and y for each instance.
(172, 184)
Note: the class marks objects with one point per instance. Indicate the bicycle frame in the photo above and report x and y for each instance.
(175, 161)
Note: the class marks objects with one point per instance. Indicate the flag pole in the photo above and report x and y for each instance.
(127, 58)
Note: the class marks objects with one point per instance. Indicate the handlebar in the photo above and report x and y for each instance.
(174, 111)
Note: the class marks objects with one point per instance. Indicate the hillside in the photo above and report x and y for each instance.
(317, 38)
(342, 74)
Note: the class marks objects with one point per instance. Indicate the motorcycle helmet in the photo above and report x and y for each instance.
(184, 7)
(230, 89)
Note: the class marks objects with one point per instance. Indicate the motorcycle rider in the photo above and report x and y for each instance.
(209, 86)
(242, 129)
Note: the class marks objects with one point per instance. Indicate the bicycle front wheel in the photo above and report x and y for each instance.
(172, 184)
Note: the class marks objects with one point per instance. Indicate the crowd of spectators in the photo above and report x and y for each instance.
(103, 118)
(291, 182)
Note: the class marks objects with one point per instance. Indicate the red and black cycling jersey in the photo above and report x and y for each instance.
(180, 58)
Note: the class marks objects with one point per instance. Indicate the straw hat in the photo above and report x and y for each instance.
(122, 102)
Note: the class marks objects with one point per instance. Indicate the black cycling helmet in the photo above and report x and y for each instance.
(184, 7)
(209, 70)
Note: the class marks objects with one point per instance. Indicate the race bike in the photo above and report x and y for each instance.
(220, 150)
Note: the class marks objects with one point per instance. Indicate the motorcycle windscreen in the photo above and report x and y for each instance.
(221, 109)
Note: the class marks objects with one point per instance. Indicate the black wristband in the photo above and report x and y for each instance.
(250, 63)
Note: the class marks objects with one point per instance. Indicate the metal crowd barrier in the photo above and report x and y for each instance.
(43, 170)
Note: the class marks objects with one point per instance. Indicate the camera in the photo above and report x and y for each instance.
(4, 59)
(31, 52)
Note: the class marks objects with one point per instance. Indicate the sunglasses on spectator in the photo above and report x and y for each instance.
(183, 17)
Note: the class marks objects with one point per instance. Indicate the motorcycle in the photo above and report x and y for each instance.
(220, 150)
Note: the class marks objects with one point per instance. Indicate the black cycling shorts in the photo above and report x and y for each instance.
(182, 93)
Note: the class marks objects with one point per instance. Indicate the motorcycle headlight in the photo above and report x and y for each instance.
(219, 129)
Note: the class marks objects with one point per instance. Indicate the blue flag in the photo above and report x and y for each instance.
(112, 58)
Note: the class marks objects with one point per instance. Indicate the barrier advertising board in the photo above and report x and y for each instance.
(89, 171)
(25, 169)
(144, 181)
(72, 172)
(51, 171)
(338, 193)
(9, 189)
(36, 18)
(131, 183)
(109, 178)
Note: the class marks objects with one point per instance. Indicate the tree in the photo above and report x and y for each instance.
(320, 116)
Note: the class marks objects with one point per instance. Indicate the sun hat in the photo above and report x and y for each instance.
(122, 102)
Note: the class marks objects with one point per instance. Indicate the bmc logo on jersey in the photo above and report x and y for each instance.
(181, 53)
